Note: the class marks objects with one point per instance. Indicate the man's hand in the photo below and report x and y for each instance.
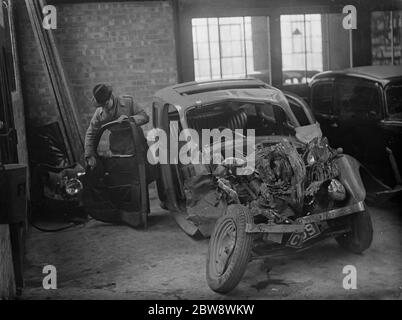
(122, 118)
(91, 161)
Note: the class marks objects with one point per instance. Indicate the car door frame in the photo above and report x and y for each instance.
(167, 190)
(141, 157)
(329, 122)
(347, 124)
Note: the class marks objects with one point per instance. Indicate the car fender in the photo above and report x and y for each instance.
(349, 175)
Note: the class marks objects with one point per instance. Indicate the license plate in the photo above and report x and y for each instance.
(311, 230)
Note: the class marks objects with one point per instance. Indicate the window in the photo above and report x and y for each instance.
(357, 98)
(301, 41)
(265, 119)
(229, 48)
(386, 37)
(300, 111)
(116, 141)
(322, 98)
(394, 101)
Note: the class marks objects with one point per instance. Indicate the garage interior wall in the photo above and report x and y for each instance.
(127, 44)
(336, 54)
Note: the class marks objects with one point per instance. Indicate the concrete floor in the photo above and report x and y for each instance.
(103, 261)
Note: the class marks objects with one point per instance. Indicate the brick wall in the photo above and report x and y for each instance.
(127, 44)
(38, 99)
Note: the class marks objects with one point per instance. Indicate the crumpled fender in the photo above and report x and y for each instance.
(349, 175)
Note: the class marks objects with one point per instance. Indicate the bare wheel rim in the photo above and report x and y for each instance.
(223, 247)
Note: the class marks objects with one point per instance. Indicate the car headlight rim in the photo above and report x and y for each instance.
(73, 186)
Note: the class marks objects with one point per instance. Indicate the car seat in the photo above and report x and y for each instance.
(238, 120)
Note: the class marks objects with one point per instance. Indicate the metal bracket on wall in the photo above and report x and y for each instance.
(73, 132)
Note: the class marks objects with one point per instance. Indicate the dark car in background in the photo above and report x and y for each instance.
(360, 109)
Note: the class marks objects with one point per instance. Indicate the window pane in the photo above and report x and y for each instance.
(322, 98)
(226, 49)
(196, 68)
(227, 66)
(237, 49)
(301, 43)
(198, 22)
(216, 68)
(394, 102)
(235, 32)
(204, 68)
(202, 34)
(213, 33)
(203, 51)
(214, 48)
(212, 21)
(356, 98)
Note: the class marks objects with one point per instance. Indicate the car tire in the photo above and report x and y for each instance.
(361, 236)
(223, 276)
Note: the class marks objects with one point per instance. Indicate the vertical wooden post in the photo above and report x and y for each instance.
(7, 280)
(73, 132)
(276, 49)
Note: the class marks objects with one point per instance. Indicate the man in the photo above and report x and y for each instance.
(111, 108)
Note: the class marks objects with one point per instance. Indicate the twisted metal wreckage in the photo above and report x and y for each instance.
(288, 182)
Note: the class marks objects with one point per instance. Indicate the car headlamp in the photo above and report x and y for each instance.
(336, 190)
(73, 186)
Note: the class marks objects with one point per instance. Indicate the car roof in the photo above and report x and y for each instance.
(204, 92)
(381, 74)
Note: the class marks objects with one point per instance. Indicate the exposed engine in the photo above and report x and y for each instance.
(281, 170)
(287, 181)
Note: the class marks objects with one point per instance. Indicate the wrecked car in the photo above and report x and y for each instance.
(297, 191)
(360, 109)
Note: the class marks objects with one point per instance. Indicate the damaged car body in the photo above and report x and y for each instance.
(299, 191)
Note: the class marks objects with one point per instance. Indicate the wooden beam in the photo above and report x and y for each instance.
(73, 132)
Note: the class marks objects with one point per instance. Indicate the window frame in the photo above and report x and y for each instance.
(363, 82)
(387, 113)
(246, 51)
(332, 109)
(308, 48)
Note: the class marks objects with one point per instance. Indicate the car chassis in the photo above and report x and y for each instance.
(240, 230)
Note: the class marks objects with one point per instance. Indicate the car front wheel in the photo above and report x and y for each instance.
(229, 249)
(361, 235)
